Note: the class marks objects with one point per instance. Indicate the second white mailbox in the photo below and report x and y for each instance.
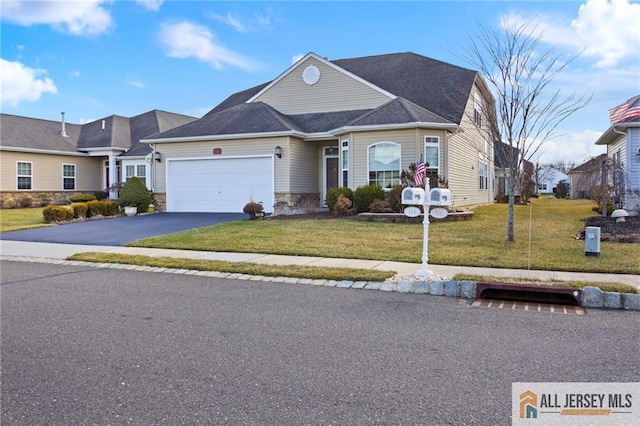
(440, 197)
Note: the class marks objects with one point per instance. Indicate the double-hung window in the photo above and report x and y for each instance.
(477, 109)
(483, 174)
(24, 174)
(136, 170)
(345, 163)
(69, 177)
(432, 154)
(384, 164)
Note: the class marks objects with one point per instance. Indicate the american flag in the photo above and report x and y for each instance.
(419, 177)
(625, 111)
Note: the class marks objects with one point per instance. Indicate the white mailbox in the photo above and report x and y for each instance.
(413, 196)
(440, 197)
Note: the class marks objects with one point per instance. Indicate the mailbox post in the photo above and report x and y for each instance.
(426, 197)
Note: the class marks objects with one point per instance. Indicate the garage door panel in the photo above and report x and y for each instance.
(219, 185)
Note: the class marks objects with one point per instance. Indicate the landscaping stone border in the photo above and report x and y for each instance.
(592, 297)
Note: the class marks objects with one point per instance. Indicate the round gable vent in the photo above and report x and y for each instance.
(311, 75)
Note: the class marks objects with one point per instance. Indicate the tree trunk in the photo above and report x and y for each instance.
(511, 184)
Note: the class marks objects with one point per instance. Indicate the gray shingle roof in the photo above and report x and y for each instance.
(33, 133)
(590, 165)
(436, 86)
(119, 132)
(428, 91)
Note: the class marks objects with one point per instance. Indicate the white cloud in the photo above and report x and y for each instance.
(135, 83)
(153, 5)
(296, 58)
(75, 73)
(605, 30)
(187, 40)
(256, 22)
(231, 20)
(86, 120)
(20, 83)
(74, 17)
(572, 147)
(609, 31)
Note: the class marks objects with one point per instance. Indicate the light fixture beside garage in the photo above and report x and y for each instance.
(158, 157)
(279, 151)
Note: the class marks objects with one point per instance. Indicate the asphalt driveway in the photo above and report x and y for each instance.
(121, 230)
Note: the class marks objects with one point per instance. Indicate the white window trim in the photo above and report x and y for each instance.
(432, 145)
(369, 162)
(75, 174)
(483, 174)
(29, 176)
(135, 165)
(344, 147)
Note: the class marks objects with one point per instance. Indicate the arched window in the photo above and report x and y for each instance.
(384, 164)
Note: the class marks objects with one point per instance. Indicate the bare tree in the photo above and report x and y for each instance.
(564, 166)
(521, 74)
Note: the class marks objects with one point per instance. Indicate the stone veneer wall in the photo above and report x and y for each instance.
(292, 203)
(23, 199)
(160, 202)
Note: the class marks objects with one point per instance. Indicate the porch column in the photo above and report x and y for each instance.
(113, 176)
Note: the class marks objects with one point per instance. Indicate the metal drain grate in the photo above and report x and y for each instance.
(528, 306)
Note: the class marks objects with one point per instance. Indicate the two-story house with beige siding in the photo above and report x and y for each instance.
(325, 123)
(45, 161)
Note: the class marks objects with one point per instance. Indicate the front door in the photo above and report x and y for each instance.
(330, 170)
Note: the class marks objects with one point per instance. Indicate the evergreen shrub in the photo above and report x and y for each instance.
(79, 210)
(365, 195)
(81, 198)
(334, 193)
(57, 213)
(135, 193)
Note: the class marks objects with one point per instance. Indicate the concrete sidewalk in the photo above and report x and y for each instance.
(62, 251)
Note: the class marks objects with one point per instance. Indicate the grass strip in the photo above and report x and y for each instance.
(604, 286)
(293, 271)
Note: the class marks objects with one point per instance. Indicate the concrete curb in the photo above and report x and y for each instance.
(592, 297)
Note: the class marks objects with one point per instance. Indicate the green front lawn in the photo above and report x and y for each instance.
(479, 242)
(17, 219)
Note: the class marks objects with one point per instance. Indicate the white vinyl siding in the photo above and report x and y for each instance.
(334, 91)
(24, 175)
(69, 177)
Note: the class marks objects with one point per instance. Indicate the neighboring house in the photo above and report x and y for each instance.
(550, 177)
(46, 161)
(622, 140)
(322, 124)
(504, 156)
(587, 176)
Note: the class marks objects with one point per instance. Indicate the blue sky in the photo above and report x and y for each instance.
(95, 58)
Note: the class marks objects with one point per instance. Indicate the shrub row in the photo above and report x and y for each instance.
(368, 198)
(80, 210)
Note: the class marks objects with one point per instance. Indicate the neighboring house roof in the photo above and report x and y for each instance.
(25, 133)
(36, 134)
(505, 155)
(425, 90)
(592, 164)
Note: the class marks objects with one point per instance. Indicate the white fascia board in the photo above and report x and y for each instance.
(225, 137)
(95, 152)
(445, 126)
(42, 151)
(612, 133)
(327, 63)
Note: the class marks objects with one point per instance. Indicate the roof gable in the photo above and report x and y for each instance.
(334, 90)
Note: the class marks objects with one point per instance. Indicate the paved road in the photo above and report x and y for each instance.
(101, 346)
(121, 230)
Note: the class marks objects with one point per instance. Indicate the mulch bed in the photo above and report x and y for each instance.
(615, 232)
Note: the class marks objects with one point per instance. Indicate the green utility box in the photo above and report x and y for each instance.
(592, 241)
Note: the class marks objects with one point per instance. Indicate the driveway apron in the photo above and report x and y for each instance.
(121, 230)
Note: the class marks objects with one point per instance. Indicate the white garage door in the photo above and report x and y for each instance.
(222, 185)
